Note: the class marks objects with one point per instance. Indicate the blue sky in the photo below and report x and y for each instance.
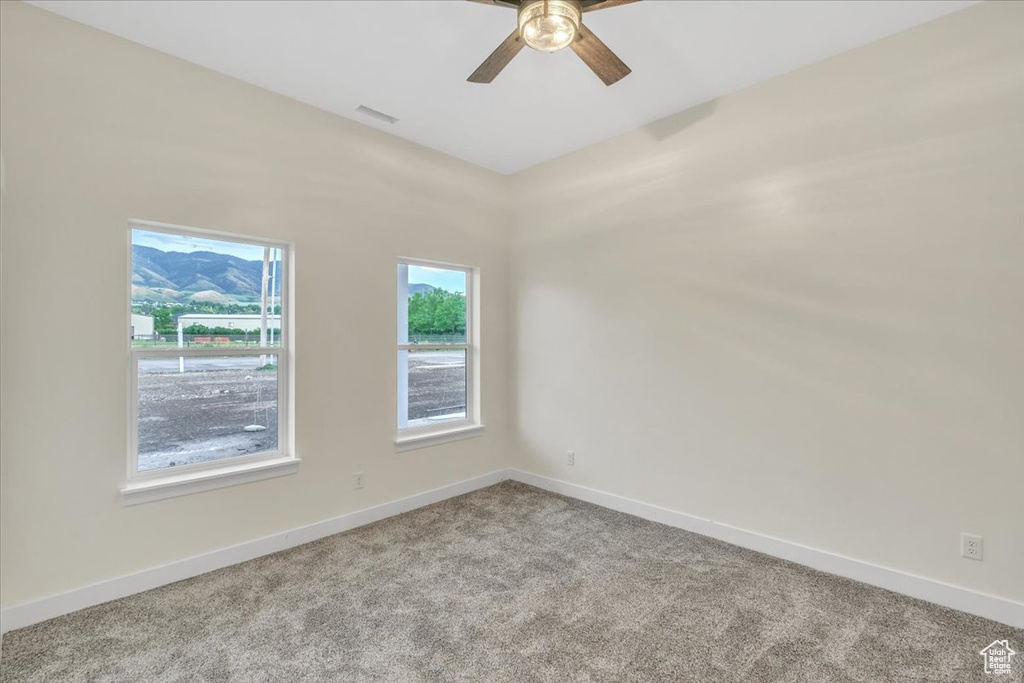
(451, 280)
(187, 244)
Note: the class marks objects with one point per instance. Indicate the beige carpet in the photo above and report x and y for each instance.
(511, 583)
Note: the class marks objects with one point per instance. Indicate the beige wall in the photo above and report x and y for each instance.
(97, 130)
(799, 310)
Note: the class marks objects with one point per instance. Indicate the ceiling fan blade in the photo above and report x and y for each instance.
(594, 5)
(595, 54)
(498, 60)
(514, 4)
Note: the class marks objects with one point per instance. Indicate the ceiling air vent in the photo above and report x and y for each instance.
(374, 114)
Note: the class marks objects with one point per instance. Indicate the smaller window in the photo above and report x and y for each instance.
(437, 348)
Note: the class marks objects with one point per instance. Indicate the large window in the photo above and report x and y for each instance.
(208, 352)
(437, 350)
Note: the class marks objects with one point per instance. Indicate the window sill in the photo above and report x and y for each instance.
(409, 442)
(148, 490)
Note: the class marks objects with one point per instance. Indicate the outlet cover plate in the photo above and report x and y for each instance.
(972, 547)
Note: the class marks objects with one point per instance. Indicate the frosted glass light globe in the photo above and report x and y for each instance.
(549, 25)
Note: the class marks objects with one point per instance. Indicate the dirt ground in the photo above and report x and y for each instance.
(437, 384)
(200, 415)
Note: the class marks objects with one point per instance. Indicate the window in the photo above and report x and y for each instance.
(437, 351)
(209, 356)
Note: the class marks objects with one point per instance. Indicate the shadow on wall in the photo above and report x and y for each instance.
(670, 126)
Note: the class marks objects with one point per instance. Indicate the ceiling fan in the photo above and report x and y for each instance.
(549, 26)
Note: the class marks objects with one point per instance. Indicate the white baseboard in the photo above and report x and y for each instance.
(988, 606)
(26, 614)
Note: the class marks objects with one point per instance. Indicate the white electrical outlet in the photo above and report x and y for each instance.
(359, 480)
(972, 547)
(570, 458)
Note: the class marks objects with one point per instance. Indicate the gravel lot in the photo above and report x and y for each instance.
(437, 383)
(200, 415)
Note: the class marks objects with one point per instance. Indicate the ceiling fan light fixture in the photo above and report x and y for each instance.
(549, 25)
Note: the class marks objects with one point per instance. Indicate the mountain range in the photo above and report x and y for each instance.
(202, 277)
(417, 288)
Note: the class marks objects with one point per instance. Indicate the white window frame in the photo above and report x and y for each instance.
(409, 438)
(145, 486)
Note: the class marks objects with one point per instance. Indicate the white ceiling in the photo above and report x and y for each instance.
(411, 60)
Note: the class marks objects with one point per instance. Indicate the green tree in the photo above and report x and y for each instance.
(437, 312)
(162, 321)
(225, 331)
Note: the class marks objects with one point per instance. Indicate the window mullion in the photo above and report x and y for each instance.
(208, 351)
